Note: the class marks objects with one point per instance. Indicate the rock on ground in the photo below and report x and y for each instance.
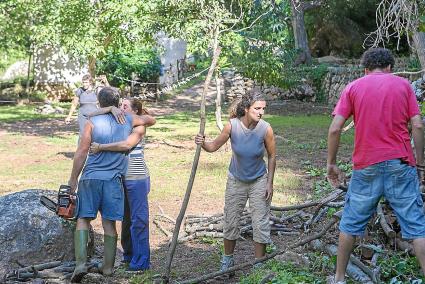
(30, 233)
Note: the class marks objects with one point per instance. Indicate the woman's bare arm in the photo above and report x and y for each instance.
(217, 142)
(122, 146)
(74, 104)
(270, 144)
(145, 120)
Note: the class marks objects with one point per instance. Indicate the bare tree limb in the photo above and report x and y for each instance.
(216, 55)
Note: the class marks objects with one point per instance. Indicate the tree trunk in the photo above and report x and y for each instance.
(27, 87)
(92, 66)
(219, 123)
(216, 54)
(300, 34)
(419, 41)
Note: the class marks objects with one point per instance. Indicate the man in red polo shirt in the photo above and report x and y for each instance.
(382, 105)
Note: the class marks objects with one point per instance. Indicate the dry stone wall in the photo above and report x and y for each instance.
(337, 77)
(235, 85)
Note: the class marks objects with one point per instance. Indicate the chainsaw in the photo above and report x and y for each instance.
(67, 205)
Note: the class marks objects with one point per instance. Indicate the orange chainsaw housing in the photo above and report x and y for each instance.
(68, 211)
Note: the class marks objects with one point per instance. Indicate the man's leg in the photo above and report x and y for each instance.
(405, 199)
(345, 246)
(109, 246)
(112, 210)
(80, 246)
(365, 189)
(419, 246)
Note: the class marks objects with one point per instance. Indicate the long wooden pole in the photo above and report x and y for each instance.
(216, 55)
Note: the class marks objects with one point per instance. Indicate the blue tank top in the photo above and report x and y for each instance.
(107, 165)
(247, 163)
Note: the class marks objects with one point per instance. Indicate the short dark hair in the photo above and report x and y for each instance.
(87, 77)
(377, 58)
(108, 97)
(237, 109)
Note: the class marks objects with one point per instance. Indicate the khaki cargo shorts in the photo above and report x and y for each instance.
(237, 194)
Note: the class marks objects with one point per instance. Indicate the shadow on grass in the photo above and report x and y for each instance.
(50, 127)
(69, 155)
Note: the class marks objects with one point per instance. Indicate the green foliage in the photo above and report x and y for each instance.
(144, 62)
(85, 29)
(10, 56)
(286, 272)
(321, 188)
(265, 51)
(145, 278)
(346, 167)
(315, 172)
(399, 268)
(321, 262)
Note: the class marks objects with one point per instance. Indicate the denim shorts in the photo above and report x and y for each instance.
(398, 183)
(106, 196)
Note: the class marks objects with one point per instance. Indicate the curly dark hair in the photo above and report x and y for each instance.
(108, 97)
(377, 58)
(237, 109)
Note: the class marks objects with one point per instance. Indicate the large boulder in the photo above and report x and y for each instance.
(30, 233)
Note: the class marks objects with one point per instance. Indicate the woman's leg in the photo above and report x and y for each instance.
(125, 230)
(234, 203)
(139, 210)
(260, 215)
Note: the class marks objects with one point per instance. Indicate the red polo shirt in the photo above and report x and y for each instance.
(382, 105)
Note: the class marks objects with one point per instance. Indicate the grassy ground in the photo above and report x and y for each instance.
(37, 153)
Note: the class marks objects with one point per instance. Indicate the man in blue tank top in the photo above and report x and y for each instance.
(100, 188)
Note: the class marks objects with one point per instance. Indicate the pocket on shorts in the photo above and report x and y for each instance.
(405, 182)
(118, 192)
(362, 181)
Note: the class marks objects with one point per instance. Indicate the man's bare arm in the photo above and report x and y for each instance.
(418, 138)
(80, 155)
(334, 134)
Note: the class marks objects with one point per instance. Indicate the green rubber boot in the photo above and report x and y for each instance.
(80, 244)
(109, 251)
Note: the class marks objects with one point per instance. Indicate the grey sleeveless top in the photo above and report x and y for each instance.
(88, 101)
(248, 147)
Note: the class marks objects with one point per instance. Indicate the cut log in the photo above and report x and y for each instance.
(360, 274)
(270, 256)
(389, 232)
(162, 229)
